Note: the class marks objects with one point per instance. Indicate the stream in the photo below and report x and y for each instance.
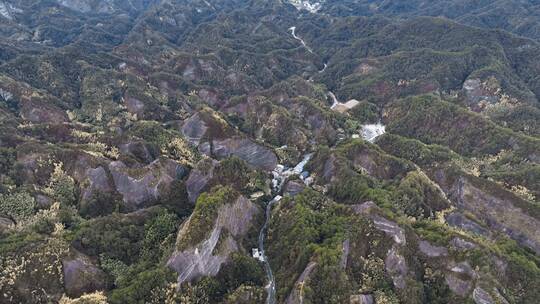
(293, 33)
(281, 173)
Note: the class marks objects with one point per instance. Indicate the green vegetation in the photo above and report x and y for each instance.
(520, 18)
(87, 86)
(476, 135)
(18, 206)
(61, 186)
(417, 196)
(308, 227)
(139, 286)
(159, 236)
(414, 150)
(203, 216)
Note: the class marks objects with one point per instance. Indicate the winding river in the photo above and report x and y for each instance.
(280, 176)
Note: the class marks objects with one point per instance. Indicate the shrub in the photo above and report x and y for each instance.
(91, 298)
(242, 270)
(7, 158)
(116, 236)
(156, 233)
(139, 286)
(116, 268)
(100, 204)
(19, 206)
(61, 186)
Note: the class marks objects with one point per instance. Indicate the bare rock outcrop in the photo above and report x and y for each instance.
(82, 276)
(396, 266)
(42, 113)
(461, 244)
(432, 251)
(5, 224)
(98, 182)
(141, 151)
(480, 296)
(499, 210)
(194, 129)
(232, 223)
(297, 293)
(254, 154)
(361, 299)
(477, 93)
(457, 285)
(456, 219)
(199, 178)
(142, 186)
(391, 229)
(293, 188)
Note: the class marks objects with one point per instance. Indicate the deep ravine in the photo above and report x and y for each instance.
(271, 285)
(280, 176)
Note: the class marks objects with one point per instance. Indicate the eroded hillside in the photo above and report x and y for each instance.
(243, 151)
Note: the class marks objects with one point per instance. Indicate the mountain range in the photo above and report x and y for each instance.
(250, 151)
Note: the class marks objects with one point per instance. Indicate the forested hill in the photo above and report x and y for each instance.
(520, 17)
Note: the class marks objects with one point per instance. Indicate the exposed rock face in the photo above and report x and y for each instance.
(6, 9)
(456, 219)
(296, 294)
(143, 152)
(364, 208)
(432, 251)
(461, 244)
(391, 229)
(481, 296)
(463, 268)
(5, 223)
(43, 201)
(377, 165)
(395, 263)
(200, 261)
(206, 258)
(329, 168)
(211, 97)
(396, 267)
(476, 93)
(42, 113)
(254, 154)
(134, 106)
(98, 182)
(460, 277)
(82, 276)
(498, 211)
(361, 299)
(292, 188)
(139, 191)
(346, 247)
(194, 129)
(199, 178)
(104, 6)
(78, 5)
(457, 285)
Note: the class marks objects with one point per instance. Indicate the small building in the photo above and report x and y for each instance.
(257, 254)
